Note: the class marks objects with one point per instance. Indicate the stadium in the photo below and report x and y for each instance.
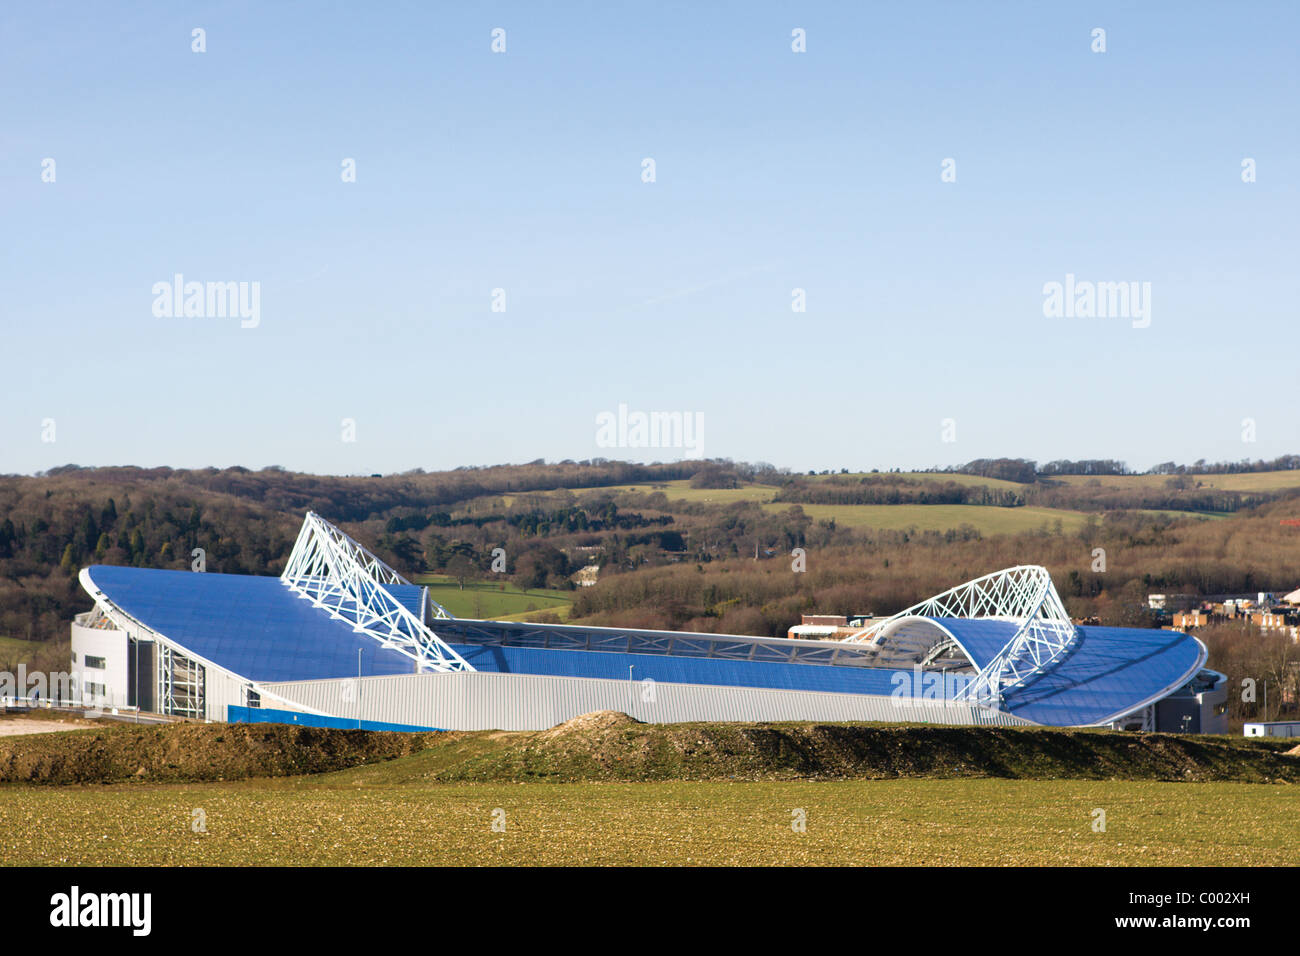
(341, 639)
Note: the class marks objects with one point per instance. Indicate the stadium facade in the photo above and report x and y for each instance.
(340, 637)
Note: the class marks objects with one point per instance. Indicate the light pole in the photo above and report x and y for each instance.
(358, 688)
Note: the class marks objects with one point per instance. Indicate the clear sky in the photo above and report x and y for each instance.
(523, 171)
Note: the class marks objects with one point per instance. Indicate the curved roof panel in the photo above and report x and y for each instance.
(980, 638)
(1107, 672)
(253, 626)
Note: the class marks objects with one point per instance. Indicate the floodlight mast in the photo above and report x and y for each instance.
(350, 583)
(1023, 595)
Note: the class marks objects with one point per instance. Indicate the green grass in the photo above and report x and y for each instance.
(957, 478)
(1200, 515)
(317, 821)
(18, 650)
(682, 491)
(1251, 481)
(494, 599)
(883, 794)
(987, 520)
(561, 611)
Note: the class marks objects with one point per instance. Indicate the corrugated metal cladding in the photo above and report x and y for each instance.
(487, 701)
(220, 690)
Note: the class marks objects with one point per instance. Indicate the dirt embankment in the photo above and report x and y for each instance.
(184, 753)
(610, 746)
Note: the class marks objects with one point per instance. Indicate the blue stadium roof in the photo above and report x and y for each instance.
(980, 638)
(257, 628)
(1106, 672)
(253, 626)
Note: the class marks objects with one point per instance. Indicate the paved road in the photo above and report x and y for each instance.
(10, 728)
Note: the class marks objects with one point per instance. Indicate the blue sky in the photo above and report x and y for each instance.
(522, 171)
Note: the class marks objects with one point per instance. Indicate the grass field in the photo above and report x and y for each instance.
(329, 821)
(605, 789)
(13, 648)
(1254, 481)
(987, 520)
(1250, 481)
(493, 599)
(682, 491)
(1180, 515)
(931, 476)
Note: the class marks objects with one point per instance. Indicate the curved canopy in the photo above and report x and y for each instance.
(1029, 659)
(252, 626)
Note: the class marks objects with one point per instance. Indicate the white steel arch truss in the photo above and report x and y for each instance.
(1023, 595)
(342, 578)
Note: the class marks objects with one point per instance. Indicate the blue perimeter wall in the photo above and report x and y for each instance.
(264, 715)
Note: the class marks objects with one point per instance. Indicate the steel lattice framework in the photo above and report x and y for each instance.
(1023, 595)
(344, 579)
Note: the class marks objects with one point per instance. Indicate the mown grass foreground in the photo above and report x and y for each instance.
(323, 821)
(604, 789)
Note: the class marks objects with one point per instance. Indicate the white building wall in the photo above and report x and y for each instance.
(220, 688)
(1276, 728)
(110, 644)
(490, 701)
(1213, 719)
